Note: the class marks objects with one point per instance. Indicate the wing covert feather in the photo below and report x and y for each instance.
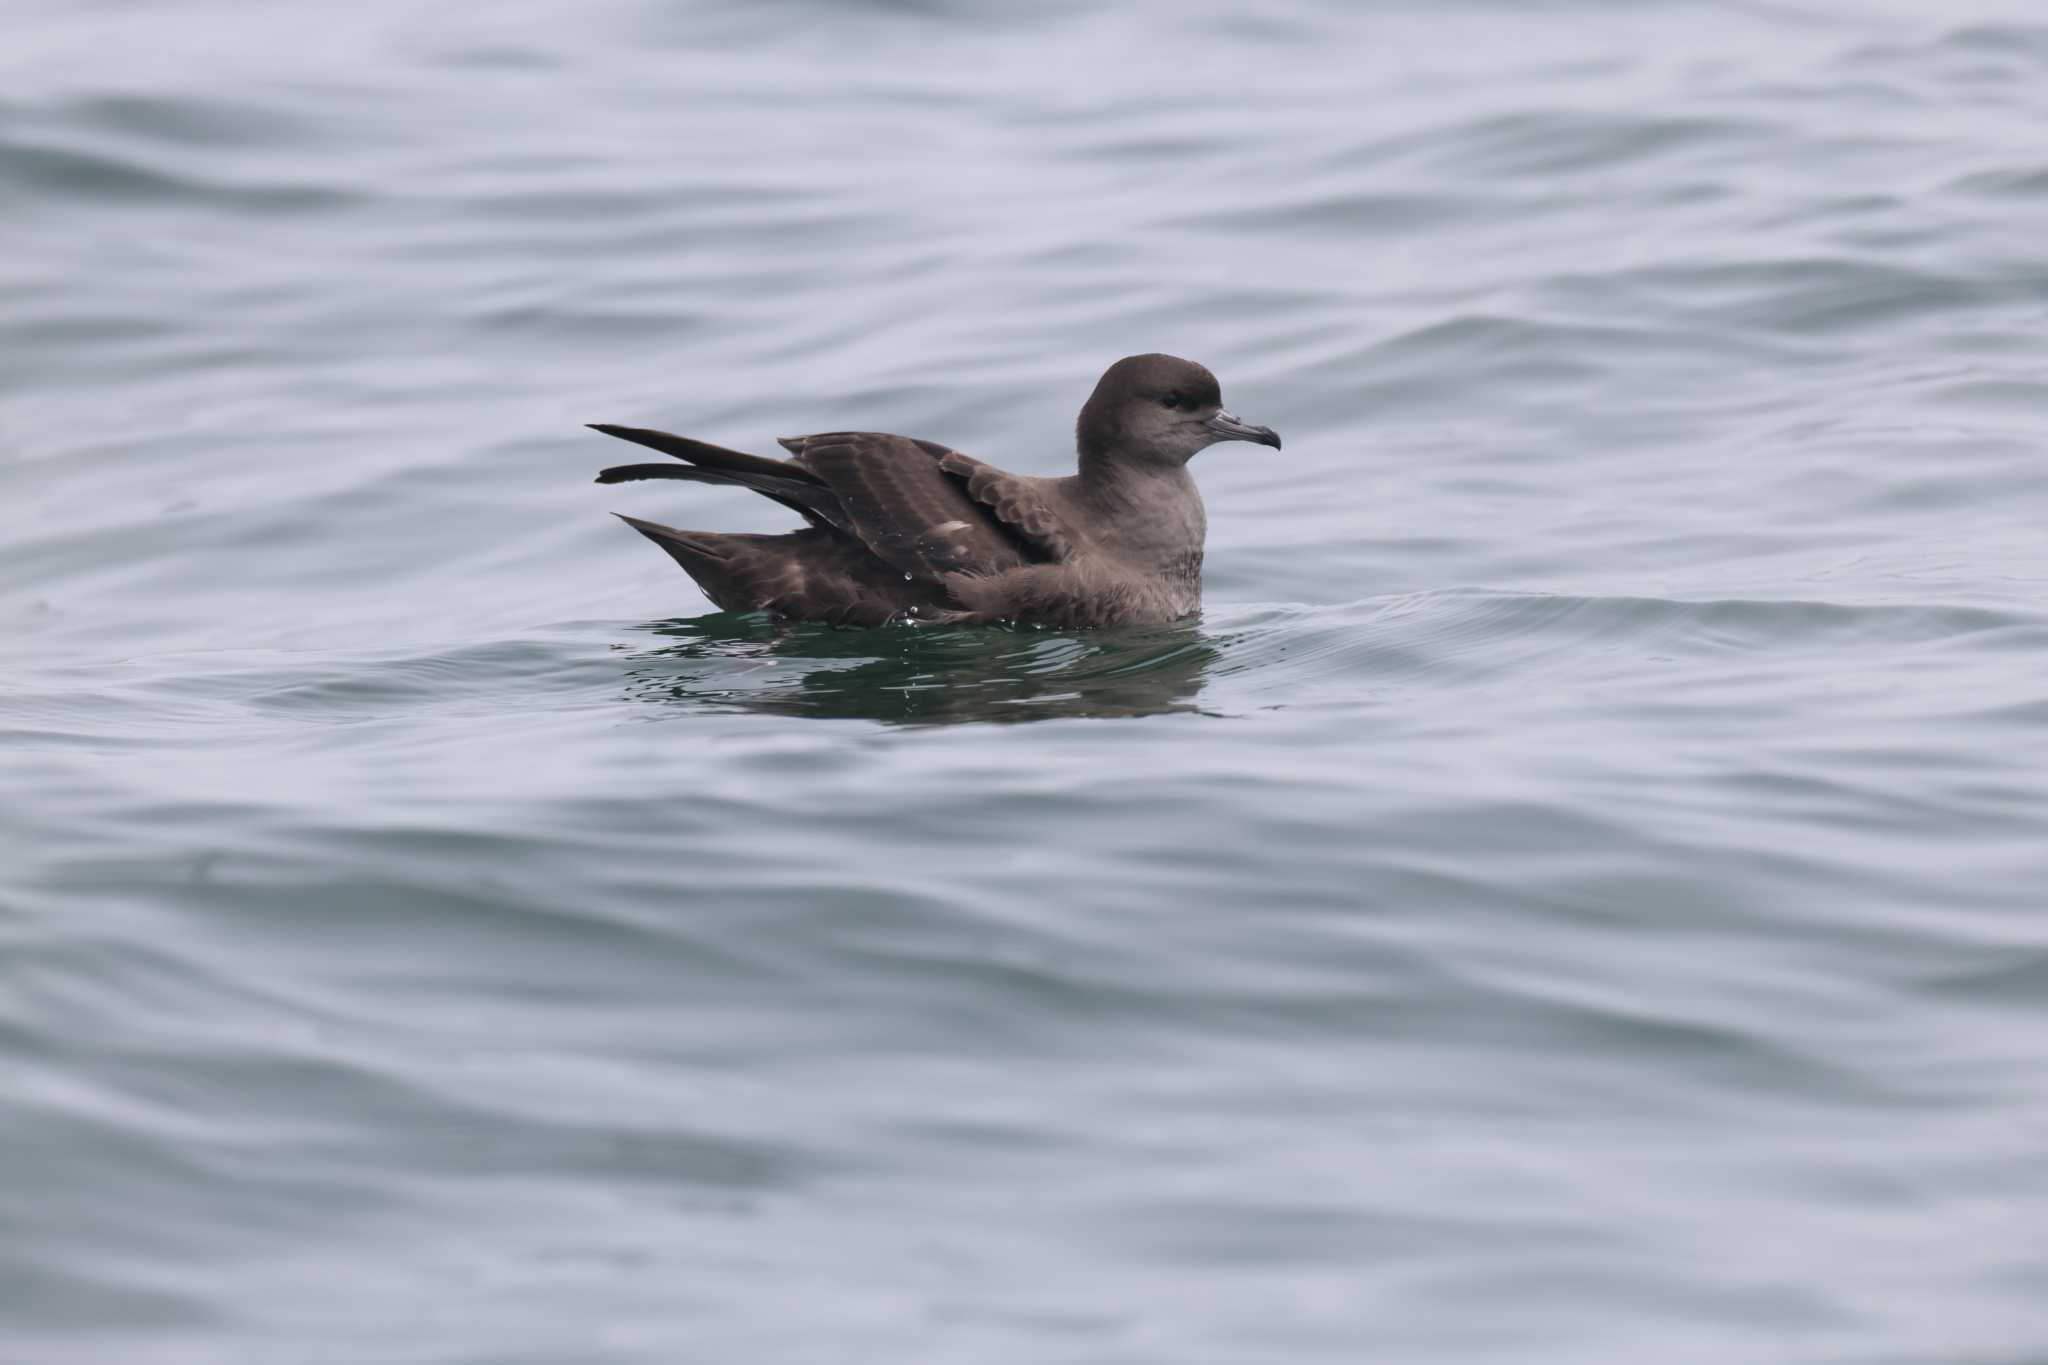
(1013, 501)
(905, 507)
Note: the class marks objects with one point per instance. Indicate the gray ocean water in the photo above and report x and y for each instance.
(1576, 894)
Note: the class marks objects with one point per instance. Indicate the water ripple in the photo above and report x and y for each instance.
(1573, 894)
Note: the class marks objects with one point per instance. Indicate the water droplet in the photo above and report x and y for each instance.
(906, 578)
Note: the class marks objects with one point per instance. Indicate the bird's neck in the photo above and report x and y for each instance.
(1153, 511)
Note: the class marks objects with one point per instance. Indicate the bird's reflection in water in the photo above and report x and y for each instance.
(918, 675)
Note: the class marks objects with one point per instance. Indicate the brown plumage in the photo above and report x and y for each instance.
(903, 528)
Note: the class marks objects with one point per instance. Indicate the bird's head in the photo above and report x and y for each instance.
(1159, 409)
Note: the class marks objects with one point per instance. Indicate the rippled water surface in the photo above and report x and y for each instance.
(1576, 894)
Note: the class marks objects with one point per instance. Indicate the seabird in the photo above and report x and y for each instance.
(908, 529)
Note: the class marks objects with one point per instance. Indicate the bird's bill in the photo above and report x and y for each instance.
(1228, 427)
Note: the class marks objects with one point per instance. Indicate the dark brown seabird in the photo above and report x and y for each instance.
(903, 528)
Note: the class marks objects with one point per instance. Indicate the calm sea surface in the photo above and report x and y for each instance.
(1578, 894)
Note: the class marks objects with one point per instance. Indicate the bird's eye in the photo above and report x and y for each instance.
(1171, 400)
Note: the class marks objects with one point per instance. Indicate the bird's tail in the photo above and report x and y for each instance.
(714, 560)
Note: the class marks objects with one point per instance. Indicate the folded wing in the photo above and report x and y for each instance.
(916, 510)
(923, 509)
